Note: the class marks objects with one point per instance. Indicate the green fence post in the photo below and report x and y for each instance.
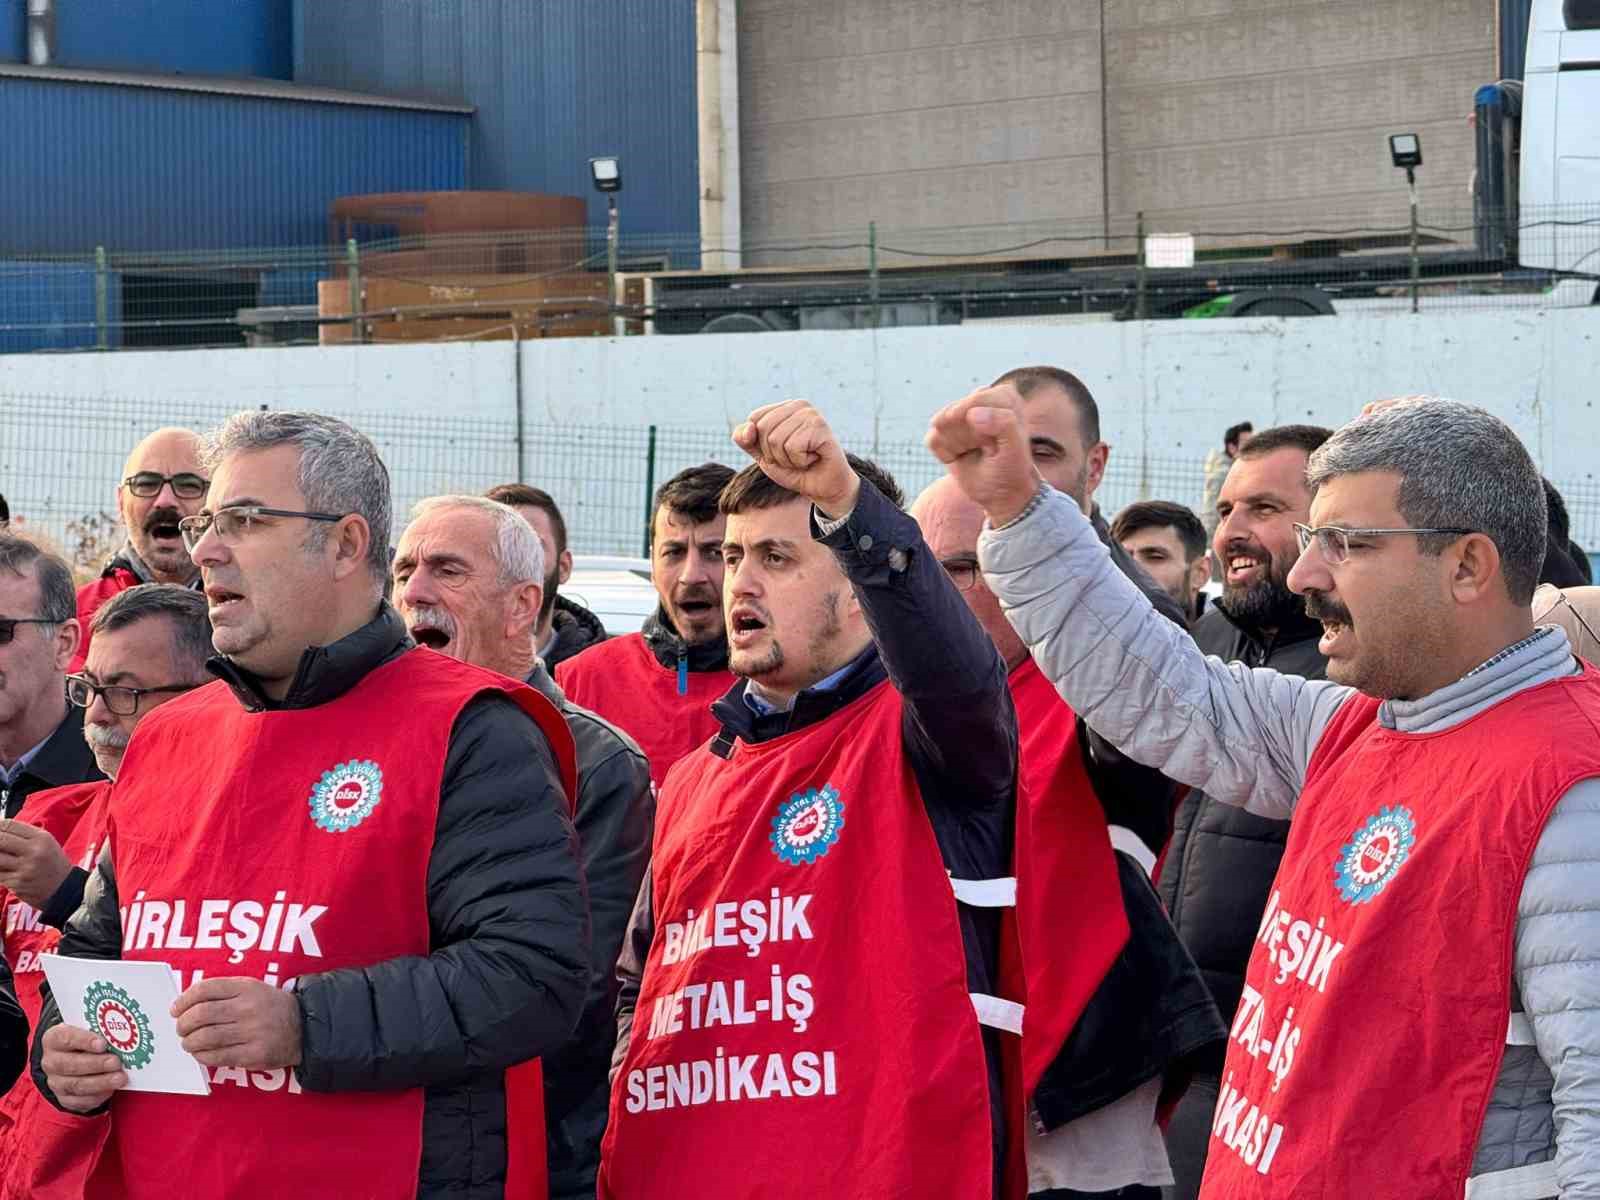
(649, 485)
(102, 301)
(1140, 306)
(872, 269)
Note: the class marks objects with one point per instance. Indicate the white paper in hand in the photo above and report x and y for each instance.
(129, 1006)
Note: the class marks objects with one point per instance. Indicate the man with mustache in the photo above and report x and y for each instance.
(566, 628)
(162, 482)
(1420, 1006)
(658, 685)
(466, 576)
(1219, 866)
(151, 645)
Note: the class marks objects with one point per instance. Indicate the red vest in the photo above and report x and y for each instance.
(90, 597)
(622, 681)
(281, 843)
(1376, 1004)
(804, 1027)
(75, 816)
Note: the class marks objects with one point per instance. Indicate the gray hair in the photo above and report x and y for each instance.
(58, 599)
(1460, 467)
(340, 469)
(516, 549)
(186, 616)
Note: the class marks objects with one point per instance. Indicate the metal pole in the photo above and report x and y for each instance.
(516, 378)
(611, 264)
(872, 271)
(1140, 309)
(352, 260)
(102, 301)
(1416, 262)
(649, 486)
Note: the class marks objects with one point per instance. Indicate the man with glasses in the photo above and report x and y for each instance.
(162, 482)
(151, 644)
(358, 857)
(1421, 1006)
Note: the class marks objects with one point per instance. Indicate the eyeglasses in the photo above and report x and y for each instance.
(1560, 601)
(186, 484)
(1333, 543)
(8, 626)
(122, 701)
(963, 572)
(232, 524)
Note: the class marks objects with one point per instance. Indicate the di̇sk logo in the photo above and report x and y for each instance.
(346, 795)
(1374, 854)
(807, 825)
(117, 1017)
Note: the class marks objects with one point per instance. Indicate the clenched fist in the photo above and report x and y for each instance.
(793, 446)
(984, 443)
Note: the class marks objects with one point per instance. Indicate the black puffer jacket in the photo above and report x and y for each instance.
(576, 629)
(506, 976)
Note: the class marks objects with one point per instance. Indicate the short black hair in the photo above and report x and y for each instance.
(691, 493)
(1028, 379)
(5, 513)
(1161, 514)
(1300, 437)
(1233, 433)
(58, 598)
(525, 495)
(184, 609)
(751, 489)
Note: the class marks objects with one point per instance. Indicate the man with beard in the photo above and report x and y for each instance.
(1220, 864)
(466, 576)
(565, 627)
(1419, 1016)
(809, 967)
(162, 482)
(658, 685)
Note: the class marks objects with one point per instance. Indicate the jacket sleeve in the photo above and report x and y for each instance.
(508, 924)
(1558, 975)
(630, 966)
(93, 931)
(1243, 735)
(960, 724)
(65, 899)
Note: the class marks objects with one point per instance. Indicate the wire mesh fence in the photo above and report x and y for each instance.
(557, 282)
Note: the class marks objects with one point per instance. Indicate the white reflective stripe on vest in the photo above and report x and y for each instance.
(1519, 1030)
(996, 1013)
(986, 893)
(1131, 844)
(1536, 1181)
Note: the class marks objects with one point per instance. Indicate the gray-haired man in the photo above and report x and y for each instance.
(1420, 1006)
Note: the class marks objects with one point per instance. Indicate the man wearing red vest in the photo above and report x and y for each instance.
(807, 1021)
(658, 685)
(1420, 1005)
(162, 482)
(358, 857)
(1116, 1009)
(151, 643)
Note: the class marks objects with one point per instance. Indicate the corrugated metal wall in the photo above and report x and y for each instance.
(554, 83)
(1515, 16)
(195, 37)
(145, 169)
(13, 31)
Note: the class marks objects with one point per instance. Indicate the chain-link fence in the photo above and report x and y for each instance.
(558, 282)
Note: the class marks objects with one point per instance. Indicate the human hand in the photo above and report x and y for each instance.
(794, 447)
(81, 1072)
(237, 1022)
(32, 863)
(983, 441)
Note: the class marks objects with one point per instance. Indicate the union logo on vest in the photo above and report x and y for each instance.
(1374, 854)
(345, 796)
(117, 1017)
(807, 825)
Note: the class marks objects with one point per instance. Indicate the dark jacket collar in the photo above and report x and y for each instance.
(1295, 629)
(668, 647)
(575, 627)
(865, 672)
(127, 559)
(541, 681)
(65, 757)
(325, 672)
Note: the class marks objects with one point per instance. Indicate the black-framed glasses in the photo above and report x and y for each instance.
(122, 701)
(1333, 541)
(963, 572)
(185, 484)
(8, 626)
(233, 524)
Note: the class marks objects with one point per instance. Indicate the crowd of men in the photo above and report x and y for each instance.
(974, 847)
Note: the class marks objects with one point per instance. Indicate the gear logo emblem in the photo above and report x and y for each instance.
(1374, 854)
(346, 795)
(807, 825)
(117, 1017)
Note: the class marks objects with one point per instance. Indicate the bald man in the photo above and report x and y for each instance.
(162, 482)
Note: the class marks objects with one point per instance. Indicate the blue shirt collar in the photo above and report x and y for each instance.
(764, 708)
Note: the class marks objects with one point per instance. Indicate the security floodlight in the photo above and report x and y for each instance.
(1406, 150)
(607, 173)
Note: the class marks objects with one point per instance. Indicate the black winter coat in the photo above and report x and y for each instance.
(509, 962)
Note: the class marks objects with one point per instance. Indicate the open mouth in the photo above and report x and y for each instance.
(744, 625)
(696, 608)
(221, 599)
(433, 639)
(1241, 565)
(165, 531)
